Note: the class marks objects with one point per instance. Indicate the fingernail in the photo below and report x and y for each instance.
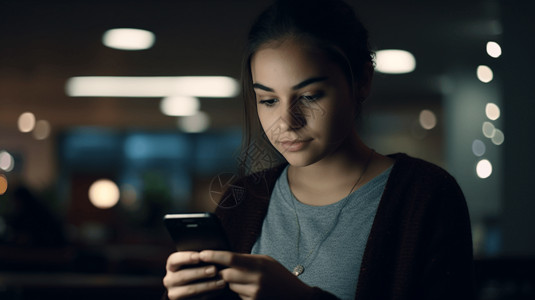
(210, 270)
(195, 256)
(220, 282)
(202, 255)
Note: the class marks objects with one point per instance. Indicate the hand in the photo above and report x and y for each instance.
(257, 276)
(178, 279)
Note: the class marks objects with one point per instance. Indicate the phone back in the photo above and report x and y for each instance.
(196, 232)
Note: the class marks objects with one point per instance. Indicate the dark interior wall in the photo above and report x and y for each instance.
(519, 115)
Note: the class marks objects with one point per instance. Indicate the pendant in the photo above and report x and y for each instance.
(298, 270)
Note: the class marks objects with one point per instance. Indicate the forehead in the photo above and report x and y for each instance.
(288, 63)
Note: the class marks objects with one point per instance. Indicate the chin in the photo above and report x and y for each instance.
(297, 159)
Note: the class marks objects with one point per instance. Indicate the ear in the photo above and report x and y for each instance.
(365, 82)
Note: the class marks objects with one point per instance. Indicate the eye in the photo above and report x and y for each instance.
(312, 98)
(268, 102)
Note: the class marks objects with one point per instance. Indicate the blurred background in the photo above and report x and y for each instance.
(102, 131)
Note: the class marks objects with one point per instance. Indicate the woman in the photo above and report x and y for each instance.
(336, 219)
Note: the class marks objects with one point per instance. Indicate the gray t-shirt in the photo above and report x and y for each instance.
(330, 249)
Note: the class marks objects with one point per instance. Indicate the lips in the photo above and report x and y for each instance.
(293, 145)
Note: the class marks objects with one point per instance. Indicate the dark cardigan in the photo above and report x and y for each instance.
(420, 244)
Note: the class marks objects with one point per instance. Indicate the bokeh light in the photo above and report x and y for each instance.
(42, 130)
(484, 74)
(104, 193)
(427, 119)
(26, 122)
(498, 138)
(198, 122)
(7, 162)
(3, 184)
(484, 168)
(488, 129)
(128, 39)
(478, 147)
(494, 49)
(129, 197)
(492, 111)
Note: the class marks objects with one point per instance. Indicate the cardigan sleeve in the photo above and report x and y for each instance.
(420, 244)
(319, 294)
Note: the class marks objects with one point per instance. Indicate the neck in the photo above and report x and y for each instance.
(335, 173)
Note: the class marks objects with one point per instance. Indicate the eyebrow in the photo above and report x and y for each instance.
(295, 87)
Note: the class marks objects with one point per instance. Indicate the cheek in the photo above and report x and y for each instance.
(336, 121)
(266, 121)
(261, 118)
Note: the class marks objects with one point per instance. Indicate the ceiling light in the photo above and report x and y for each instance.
(128, 39)
(394, 61)
(164, 86)
(180, 106)
(198, 122)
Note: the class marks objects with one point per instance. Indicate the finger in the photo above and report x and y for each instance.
(185, 291)
(217, 257)
(246, 291)
(231, 259)
(233, 275)
(185, 276)
(178, 259)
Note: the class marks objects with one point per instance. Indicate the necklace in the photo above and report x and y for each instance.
(299, 268)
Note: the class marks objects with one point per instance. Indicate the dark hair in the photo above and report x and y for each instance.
(330, 25)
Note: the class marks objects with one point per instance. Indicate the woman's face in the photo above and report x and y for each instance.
(304, 101)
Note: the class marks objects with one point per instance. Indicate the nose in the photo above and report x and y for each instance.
(293, 117)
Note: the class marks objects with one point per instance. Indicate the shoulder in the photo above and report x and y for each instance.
(413, 170)
(425, 195)
(243, 192)
(414, 181)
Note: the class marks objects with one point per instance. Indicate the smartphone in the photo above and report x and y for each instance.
(196, 232)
